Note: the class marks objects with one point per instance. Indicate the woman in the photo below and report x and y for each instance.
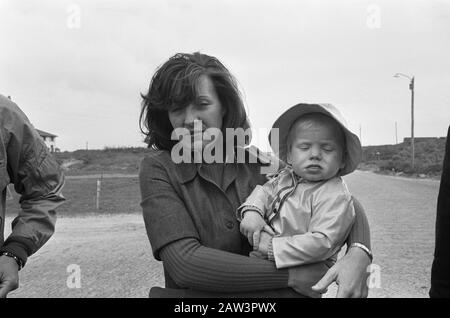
(189, 208)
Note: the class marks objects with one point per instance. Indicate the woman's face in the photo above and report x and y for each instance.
(205, 111)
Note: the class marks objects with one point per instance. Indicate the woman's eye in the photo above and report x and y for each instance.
(304, 147)
(328, 148)
(175, 110)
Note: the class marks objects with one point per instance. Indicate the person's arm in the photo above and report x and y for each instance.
(258, 200)
(329, 226)
(37, 178)
(350, 272)
(252, 213)
(194, 266)
(360, 232)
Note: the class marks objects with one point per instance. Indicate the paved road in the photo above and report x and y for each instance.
(115, 260)
(402, 214)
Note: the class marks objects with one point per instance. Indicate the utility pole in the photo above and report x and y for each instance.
(411, 87)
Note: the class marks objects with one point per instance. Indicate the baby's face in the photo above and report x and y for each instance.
(316, 150)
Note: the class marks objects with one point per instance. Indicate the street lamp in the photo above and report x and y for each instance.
(411, 87)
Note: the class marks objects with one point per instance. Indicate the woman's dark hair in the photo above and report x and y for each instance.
(175, 85)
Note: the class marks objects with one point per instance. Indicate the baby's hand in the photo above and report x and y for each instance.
(251, 226)
(257, 254)
(262, 249)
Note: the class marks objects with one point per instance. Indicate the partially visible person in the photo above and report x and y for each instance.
(189, 207)
(440, 271)
(307, 204)
(26, 162)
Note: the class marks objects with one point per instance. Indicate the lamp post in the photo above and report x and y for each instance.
(411, 87)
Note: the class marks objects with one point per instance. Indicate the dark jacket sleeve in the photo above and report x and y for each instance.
(37, 177)
(440, 271)
(165, 215)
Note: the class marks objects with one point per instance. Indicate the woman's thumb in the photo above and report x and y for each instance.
(322, 285)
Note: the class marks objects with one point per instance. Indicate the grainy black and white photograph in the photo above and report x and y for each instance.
(224, 149)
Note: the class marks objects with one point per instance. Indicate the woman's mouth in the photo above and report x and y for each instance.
(196, 133)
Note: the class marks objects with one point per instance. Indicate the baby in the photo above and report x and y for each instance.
(306, 207)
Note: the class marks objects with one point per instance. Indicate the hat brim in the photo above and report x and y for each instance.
(288, 118)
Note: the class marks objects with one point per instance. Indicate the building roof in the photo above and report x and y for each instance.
(45, 134)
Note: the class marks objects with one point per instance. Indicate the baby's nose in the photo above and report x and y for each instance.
(316, 153)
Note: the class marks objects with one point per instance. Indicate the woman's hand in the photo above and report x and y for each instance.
(303, 277)
(350, 274)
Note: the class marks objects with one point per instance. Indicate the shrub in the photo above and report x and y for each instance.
(429, 155)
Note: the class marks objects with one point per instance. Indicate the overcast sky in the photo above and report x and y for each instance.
(77, 67)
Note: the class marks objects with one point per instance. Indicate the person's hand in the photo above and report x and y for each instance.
(251, 226)
(303, 277)
(257, 254)
(350, 274)
(9, 275)
(264, 241)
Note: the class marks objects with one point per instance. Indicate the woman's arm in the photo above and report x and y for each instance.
(197, 267)
(192, 265)
(360, 232)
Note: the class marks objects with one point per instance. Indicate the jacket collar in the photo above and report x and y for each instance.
(230, 174)
(296, 178)
(187, 172)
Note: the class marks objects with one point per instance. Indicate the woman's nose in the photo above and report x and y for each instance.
(190, 115)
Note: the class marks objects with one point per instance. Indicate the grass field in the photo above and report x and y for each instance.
(112, 160)
(117, 196)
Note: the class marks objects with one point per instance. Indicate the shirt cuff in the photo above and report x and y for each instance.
(242, 209)
(270, 251)
(16, 248)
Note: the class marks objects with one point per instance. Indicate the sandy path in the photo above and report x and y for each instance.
(402, 215)
(113, 254)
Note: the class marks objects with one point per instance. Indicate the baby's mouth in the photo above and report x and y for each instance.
(314, 167)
